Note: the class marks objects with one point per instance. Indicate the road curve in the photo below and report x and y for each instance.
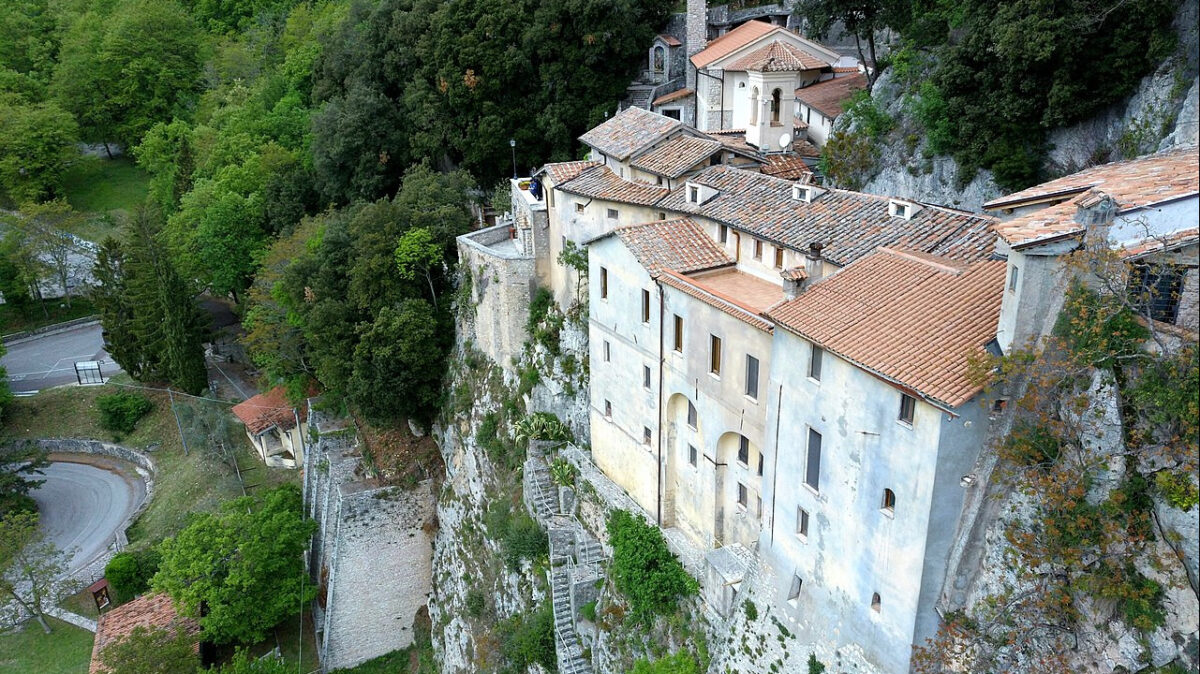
(82, 506)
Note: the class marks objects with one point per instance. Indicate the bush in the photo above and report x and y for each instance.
(815, 666)
(476, 603)
(679, 663)
(1178, 489)
(1098, 330)
(520, 536)
(751, 611)
(643, 568)
(589, 611)
(120, 412)
(528, 638)
(129, 573)
(1031, 445)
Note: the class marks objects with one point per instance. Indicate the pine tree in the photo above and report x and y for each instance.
(111, 299)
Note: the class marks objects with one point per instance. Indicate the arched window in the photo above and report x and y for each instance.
(876, 604)
(659, 60)
(889, 501)
(776, 98)
(754, 106)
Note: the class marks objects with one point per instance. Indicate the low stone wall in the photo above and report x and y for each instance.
(503, 281)
(66, 325)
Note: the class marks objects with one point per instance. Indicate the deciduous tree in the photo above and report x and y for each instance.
(151, 650)
(30, 566)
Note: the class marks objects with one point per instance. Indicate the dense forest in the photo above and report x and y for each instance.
(312, 161)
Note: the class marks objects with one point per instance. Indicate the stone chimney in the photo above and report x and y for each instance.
(815, 264)
(696, 35)
(793, 282)
(1096, 211)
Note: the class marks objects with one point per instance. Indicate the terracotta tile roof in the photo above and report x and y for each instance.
(630, 131)
(732, 41)
(266, 410)
(1156, 244)
(850, 224)
(561, 172)
(912, 319)
(679, 245)
(151, 610)
(778, 56)
(830, 97)
(600, 182)
(676, 156)
(669, 40)
(1040, 226)
(786, 166)
(734, 139)
(1132, 183)
(673, 96)
(714, 297)
(805, 149)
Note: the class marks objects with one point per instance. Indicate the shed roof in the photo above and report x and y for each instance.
(676, 156)
(679, 244)
(830, 97)
(561, 172)
(732, 41)
(599, 182)
(778, 56)
(265, 410)
(149, 611)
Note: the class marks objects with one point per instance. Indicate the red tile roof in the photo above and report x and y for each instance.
(673, 96)
(266, 410)
(913, 319)
(669, 40)
(732, 41)
(713, 297)
(151, 610)
(778, 56)
(680, 245)
(830, 97)
(629, 132)
(1132, 183)
(561, 172)
(676, 156)
(600, 182)
(849, 224)
(786, 166)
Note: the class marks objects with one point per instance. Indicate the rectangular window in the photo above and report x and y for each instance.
(646, 435)
(678, 333)
(743, 495)
(757, 505)
(760, 464)
(612, 214)
(693, 194)
(812, 469)
(692, 458)
(723, 233)
(608, 410)
(550, 197)
(646, 377)
(578, 208)
(744, 451)
(714, 348)
(778, 257)
(691, 420)
(645, 306)
(604, 283)
(757, 249)
(794, 592)
(814, 362)
(802, 522)
(607, 351)
(908, 406)
(752, 376)
(1012, 278)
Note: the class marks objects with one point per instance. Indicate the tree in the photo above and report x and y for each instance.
(418, 254)
(17, 271)
(30, 566)
(245, 568)
(115, 306)
(47, 228)
(19, 463)
(398, 365)
(37, 142)
(860, 18)
(6, 398)
(151, 650)
(243, 663)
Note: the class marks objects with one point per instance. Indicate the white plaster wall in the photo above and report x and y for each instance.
(1161, 220)
(1028, 312)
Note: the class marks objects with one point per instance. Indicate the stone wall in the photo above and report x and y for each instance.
(503, 280)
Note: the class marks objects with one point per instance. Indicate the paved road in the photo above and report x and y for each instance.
(43, 361)
(82, 506)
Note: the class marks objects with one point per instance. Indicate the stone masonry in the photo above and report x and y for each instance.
(503, 279)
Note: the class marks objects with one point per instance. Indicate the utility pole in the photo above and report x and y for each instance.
(513, 144)
(178, 425)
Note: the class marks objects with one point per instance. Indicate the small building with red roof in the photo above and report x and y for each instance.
(275, 427)
(148, 611)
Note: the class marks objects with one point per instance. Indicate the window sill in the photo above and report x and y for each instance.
(814, 381)
(803, 538)
(904, 424)
(715, 375)
(814, 490)
(751, 399)
(888, 513)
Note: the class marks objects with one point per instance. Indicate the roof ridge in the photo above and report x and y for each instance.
(927, 259)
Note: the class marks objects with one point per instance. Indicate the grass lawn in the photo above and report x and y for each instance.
(99, 185)
(12, 320)
(81, 603)
(196, 482)
(66, 650)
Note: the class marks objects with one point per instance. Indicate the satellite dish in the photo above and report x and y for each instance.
(785, 141)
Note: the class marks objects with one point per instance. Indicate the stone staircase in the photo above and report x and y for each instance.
(638, 96)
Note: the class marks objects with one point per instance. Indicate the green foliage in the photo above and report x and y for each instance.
(1178, 488)
(542, 426)
(563, 472)
(151, 650)
(867, 117)
(520, 536)
(398, 365)
(19, 464)
(1031, 445)
(643, 568)
(679, 663)
(1138, 598)
(847, 158)
(37, 142)
(588, 611)
(539, 308)
(247, 568)
(475, 603)
(244, 663)
(815, 666)
(1165, 392)
(528, 638)
(1097, 329)
(129, 573)
(751, 610)
(120, 412)
(30, 565)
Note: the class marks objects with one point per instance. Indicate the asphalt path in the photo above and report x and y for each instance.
(82, 506)
(44, 361)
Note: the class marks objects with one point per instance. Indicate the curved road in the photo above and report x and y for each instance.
(82, 506)
(47, 360)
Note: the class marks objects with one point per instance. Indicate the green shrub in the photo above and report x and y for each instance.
(589, 611)
(815, 666)
(643, 568)
(520, 536)
(476, 603)
(528, 638)
(120, 412)
(1098, 330)
(539, 308)
(563, 472)
(1031, 445)
(543, 426)
(1177, 488)
(751, 611)
(129, 573)
(679, 663)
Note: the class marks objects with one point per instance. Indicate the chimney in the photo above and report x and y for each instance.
(696, 33)
(1096, 211)
(815, 263)
(793, 282)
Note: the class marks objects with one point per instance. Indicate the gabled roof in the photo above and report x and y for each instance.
(849, 224)
(675, 156)
(680, 245)
(830, 97)
(149, 611)
(673, 96)
(599, 182)
(717, 295)
(786, 166)
(732, 41)
(561, 172)
(778, 56)
(1135, 182)
(266, 410)
(630, 131)
(913, 319)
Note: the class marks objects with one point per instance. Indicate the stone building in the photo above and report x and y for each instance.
(275, 428)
